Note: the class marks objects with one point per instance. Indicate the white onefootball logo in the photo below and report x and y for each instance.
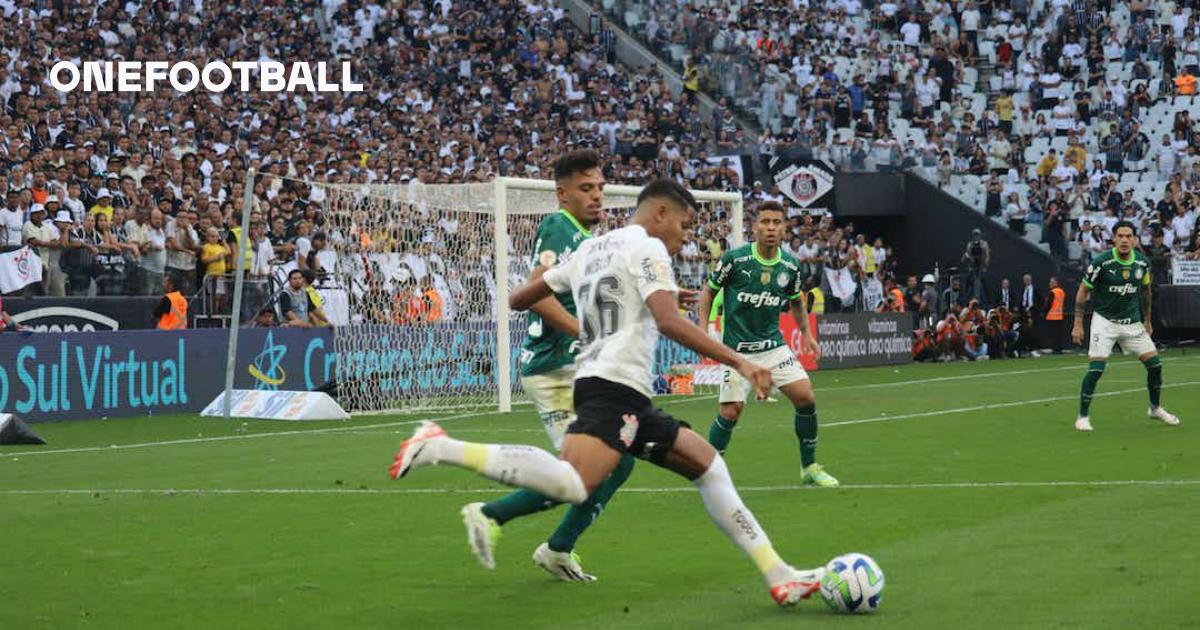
(216, 76)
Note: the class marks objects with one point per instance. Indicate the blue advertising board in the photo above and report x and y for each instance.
(61, 376)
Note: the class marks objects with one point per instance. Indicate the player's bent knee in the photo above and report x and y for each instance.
(573, 489)
(732, 411)
(805, 399)
(690, 456)
(591, 458)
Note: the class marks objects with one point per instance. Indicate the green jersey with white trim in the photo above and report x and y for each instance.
(1116, 285)
(756, 291)
(546, 348)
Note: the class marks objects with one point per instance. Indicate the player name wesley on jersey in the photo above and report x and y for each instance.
(613, 275)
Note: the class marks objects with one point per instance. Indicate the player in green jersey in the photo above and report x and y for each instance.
(757, 280)
(547, 375)
(1119, 281)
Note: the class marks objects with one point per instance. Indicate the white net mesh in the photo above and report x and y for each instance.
(417, 326)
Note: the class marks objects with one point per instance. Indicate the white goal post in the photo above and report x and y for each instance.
(417, 279)
(618, 191)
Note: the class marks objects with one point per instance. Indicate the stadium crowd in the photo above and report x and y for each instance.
(1087, 117)
(117, 191)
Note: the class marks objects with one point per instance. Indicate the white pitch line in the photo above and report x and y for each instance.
(384, 425)
(244, 436)
(944, 412)
(940, 379)
(660, 490)
(247, 436)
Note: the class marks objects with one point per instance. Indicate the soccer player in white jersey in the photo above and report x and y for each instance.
(625, 294)
(548, 375)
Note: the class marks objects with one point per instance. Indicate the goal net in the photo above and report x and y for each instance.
(420, 277)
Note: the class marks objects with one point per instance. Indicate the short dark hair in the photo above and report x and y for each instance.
(1124, 223)
(576, 162)
(668, 189)
(769, 206)
(294, 272)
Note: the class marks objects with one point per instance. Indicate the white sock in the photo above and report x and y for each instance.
(515, 465)
(726, 509)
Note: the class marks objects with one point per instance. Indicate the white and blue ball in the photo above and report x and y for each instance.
(853, 583)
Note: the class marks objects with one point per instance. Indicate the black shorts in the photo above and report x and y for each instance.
(624, 419)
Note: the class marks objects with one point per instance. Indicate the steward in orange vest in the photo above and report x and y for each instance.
(1056, 302)
(172, 309)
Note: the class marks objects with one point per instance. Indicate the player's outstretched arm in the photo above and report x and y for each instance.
(552, 311)
(706, 301)
(1081, 299)
(800, 316)
(533, 291)
(1146, 298)
(665, 309)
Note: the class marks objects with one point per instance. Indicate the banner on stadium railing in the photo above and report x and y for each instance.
(1185, 271)
(57, 376)
(808, 183)
(19, 269)
(84, 314)
(864, 339)
(846, 340)
(48, 376)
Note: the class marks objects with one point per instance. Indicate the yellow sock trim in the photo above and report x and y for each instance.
(475, 456)
(765, 558)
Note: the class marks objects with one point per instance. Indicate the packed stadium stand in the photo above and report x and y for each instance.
(1050, 117)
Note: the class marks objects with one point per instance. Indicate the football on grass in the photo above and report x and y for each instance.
(853, 583)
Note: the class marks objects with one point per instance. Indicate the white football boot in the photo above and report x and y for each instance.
(1168, 418)
(561, 564)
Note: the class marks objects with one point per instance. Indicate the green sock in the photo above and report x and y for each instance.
(721, 432)
(1153, 378)
(581, 516)
(516, 504)
(806, 430)
(1094, 372)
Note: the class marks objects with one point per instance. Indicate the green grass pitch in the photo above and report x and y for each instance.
(966, 482)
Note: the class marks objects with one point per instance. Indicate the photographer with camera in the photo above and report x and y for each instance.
(976, 259)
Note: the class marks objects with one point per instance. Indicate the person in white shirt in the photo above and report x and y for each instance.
(1179, 23)
(911, 32)
(970, 23)
(154, 254)
(56, 283)
(12, 221)
(1016, 38)
(73, 203)
(1093, 240)
(1166, 159)
(1050, 82)
(1064, 176)
(1063, 118)
(1182, 224)
(626, 292)
(42, 236)
(1015, 214)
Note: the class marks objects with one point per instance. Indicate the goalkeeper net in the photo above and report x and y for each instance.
(417, 279)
